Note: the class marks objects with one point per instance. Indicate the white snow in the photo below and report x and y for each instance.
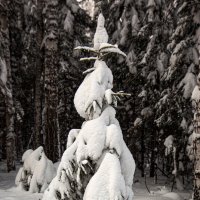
(159, 191)
(190, 147)
(168, 144)
(43, 174)
(114, 139)
(173, 196)
(196, 94)
(91, 92)
(93, 134)
(72, 136)
(135, 23)
(26, 154)
(68, 23)
(188, 83)
(109, 48)
(124, 32)
(101, 35)
(184, 124)
(137, 122)
(37, 171)
(109, 96)
(3, 71)
(147, 112)
(109, 175)
(94, 138)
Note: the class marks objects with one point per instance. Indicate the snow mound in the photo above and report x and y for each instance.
(173, 196)
(37, 171)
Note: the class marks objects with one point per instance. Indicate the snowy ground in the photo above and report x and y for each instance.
(8, 191)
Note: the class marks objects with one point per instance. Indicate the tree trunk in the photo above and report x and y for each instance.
(6, 85)
(51, 78)
(197, 170)
(39, 63)
(142, 151)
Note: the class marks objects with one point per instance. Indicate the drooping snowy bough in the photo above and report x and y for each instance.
(37, 171)
(97, 165)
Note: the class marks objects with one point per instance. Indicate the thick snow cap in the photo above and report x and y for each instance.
(101, 21)
(101, 35)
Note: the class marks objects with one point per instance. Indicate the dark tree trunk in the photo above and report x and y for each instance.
(38, 66)
(197, 170)
(51, 79)
(6, 85)
(142, 151)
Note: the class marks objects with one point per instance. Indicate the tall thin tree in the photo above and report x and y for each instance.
(51, 78)
(6, 84)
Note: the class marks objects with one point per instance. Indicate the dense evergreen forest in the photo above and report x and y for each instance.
(40, 72)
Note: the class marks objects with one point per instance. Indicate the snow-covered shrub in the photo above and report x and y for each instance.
(97, 164)
(37, 171)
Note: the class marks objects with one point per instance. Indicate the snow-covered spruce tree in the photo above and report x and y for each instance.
(97, 165)
(37, 171)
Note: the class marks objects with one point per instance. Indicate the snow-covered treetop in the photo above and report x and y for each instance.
(101, 21)
(101, 45)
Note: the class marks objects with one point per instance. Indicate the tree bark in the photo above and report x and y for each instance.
(197, 170)
(51, 78)
(38, 66)
(6, 85)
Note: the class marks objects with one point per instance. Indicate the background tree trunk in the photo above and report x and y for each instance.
(51, 78)
(6, 85)
(39, 67)
(197, 170)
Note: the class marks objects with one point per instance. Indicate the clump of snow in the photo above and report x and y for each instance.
(101, 35)
(72, 136)
(3, 71)
(187, 84)
(68, 23)
(135, 23)
(94, 134)
(26, 154)
(196, 94)
(184, 124)
(109, 174)
(91, 92)
(168, 144)
(190, 147)
(37, 171)
(147, 112)
(138, 122)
